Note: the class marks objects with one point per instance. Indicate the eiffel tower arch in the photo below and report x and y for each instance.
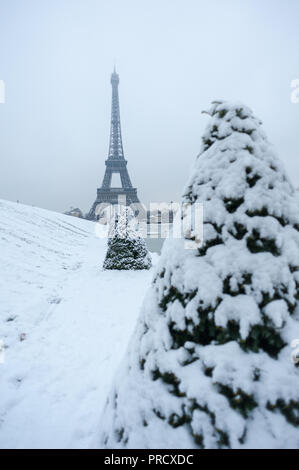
(115, 162)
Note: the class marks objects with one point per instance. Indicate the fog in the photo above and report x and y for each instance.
(173, 58)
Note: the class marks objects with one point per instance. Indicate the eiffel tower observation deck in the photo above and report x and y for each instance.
(115, 163)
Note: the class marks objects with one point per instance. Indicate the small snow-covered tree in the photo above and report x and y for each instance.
(209, 364)
(126, 249)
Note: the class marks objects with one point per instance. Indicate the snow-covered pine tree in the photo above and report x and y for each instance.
(209, 364)
(126, 249)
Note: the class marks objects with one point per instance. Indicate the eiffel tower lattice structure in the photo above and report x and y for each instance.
(115, 163)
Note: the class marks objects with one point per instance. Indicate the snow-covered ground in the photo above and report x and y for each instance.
(65, 324)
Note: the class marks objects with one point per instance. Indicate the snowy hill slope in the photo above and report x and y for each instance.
(65, 324)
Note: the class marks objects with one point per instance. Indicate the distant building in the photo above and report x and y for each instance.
(75, 213)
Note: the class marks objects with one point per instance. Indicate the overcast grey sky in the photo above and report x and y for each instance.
(173, 57)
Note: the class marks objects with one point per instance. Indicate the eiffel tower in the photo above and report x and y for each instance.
(115, 162)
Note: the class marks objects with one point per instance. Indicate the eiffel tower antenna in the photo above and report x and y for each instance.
(115, 162)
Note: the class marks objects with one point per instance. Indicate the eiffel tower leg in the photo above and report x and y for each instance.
(107, 178)
(92, 212)
(97, 210)
(125, 179)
